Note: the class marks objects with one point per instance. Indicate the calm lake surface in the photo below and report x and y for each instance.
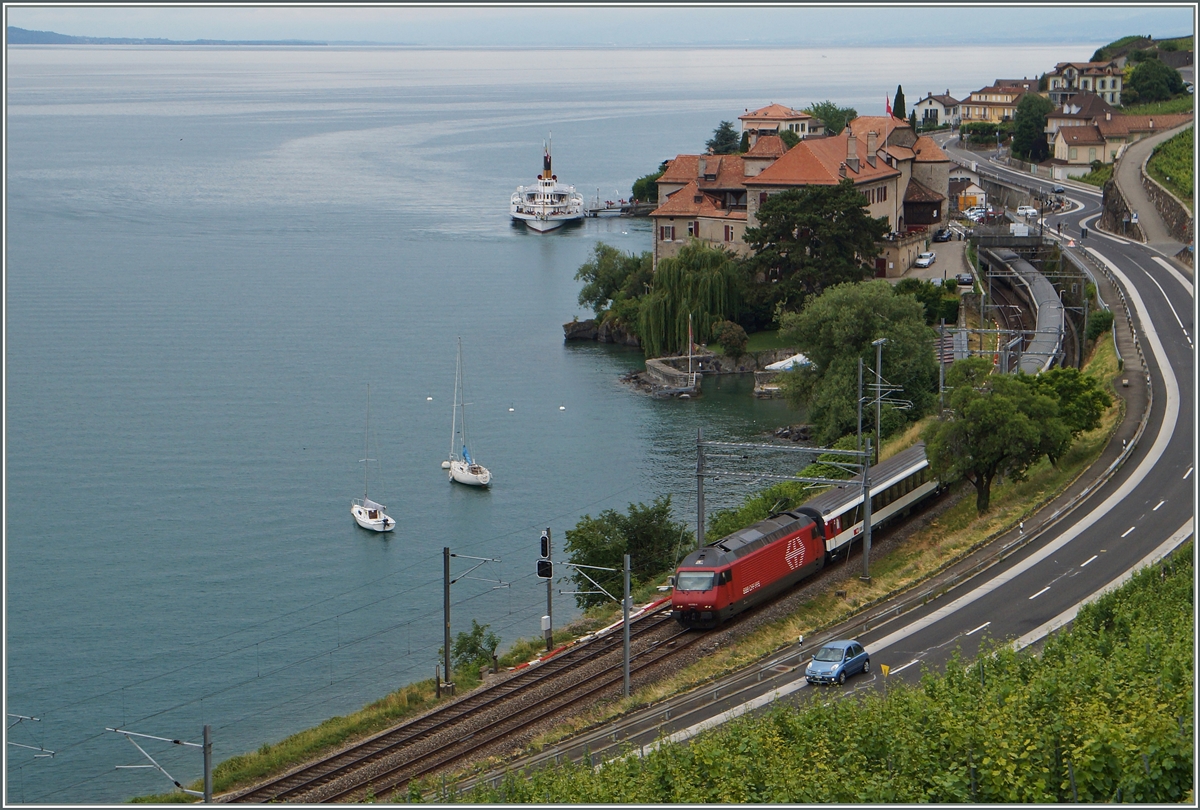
(210, 252)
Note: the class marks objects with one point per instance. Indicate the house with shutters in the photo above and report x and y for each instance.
(1081, 110)
(994, 104)
(776, 118)
(1105, 79)
(937, 110)
(903, 178)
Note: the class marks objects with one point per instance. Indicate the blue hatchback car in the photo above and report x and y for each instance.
(837, 660)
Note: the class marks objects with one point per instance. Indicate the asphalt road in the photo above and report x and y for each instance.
(1145, 509)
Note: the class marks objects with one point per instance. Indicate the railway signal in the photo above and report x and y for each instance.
(546, 544)
(545, 569)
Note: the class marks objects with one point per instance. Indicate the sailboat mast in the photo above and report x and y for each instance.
(454, 408)
(367, 446)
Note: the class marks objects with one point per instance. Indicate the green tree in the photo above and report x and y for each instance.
(1099, 322)
(898, 104)
(933, 297)
(837, 328)
(789, 138)
(700, 281)
(808, 239)
(999, 426)
(646, 188)
(744, 144)
(1081, 400)
(1029, 128)
(1153, 80)
(833, 117)
(474, 648)
(725, 139)
(732, 337)
(610, 275)
(647, 534)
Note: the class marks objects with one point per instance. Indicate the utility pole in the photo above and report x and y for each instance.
(625, 614)
(206, 747)
(878, 344)
(866, 488)
(699, 487)
(860, 402)
(446, 612)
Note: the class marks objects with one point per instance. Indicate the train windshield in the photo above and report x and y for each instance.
(694, 581)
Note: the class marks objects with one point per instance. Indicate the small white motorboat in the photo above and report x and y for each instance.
(366, 512)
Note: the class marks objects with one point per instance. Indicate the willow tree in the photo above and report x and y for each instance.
(701, 282)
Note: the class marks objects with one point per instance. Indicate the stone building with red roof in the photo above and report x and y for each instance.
(904, 179)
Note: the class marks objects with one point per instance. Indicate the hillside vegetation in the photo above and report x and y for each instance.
(1174, 165)
(1104, 714)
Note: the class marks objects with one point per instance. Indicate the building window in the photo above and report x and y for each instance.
(694, 228)
(728, 233)
(666, 233)
(1091, 154)
(1073, 154)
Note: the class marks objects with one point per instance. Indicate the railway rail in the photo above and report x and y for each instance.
(453, 732)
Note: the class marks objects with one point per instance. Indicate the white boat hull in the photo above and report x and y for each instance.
(547, 224)
(381, 522)
(475, 475)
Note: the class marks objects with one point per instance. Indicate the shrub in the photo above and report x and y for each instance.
(732, 337)
(1099, 323)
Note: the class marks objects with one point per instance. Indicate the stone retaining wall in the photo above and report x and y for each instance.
(1172, 210)
(1116, 210)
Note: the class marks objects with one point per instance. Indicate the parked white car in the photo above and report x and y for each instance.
(926, 259)
(1026, 211)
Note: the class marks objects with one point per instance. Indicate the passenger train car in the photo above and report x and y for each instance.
(761, 561)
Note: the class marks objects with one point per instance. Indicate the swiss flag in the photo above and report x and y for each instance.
(887, 103)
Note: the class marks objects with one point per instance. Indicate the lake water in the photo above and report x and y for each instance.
(211, 251)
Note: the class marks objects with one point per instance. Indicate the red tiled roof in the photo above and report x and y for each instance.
(772, 112)
(729, 170)
(919, 192)
(1090, 105)
(883, 125)
(767, 146)
(683, 203)
(928, 151)
(1124, 124)
(817, 163)
(1081, 136)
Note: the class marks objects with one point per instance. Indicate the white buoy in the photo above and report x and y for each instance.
(562, 407)
(510, 410)
(429, 399)
(445, 465)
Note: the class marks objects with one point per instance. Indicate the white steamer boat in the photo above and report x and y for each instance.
(548, 205)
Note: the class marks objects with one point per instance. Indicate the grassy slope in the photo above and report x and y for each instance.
(1173, 165)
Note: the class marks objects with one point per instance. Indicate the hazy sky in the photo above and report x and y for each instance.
(622, 24)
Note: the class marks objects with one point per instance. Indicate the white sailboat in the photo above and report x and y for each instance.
(463, 468)
(367, 513)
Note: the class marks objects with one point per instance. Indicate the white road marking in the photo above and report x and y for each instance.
(906, 666)
(1127, 531)
(1172, 306)
(1039, 593)
(1178, 276)
(977, 629)
(1160, 503)
(1084, 564)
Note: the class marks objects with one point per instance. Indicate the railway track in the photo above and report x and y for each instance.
(454, 732)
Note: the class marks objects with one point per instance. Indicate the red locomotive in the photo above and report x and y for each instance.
(762, 561)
